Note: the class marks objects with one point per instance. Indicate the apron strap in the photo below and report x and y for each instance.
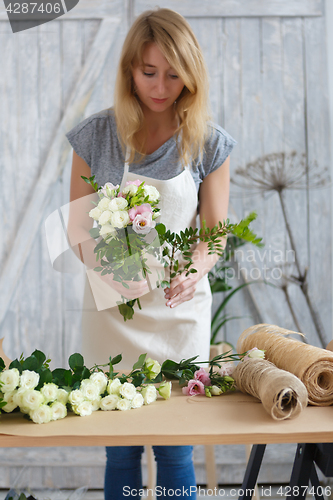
(126, 168)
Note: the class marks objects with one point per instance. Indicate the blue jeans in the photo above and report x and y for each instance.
(175, 471)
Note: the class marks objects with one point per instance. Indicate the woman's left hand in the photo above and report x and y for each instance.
(182, 288)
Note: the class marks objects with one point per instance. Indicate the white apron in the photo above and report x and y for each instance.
(156, 329)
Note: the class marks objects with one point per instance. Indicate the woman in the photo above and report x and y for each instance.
(160, 123)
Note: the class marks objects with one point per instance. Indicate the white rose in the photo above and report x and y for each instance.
(130, 189)
(50, 392)
(32, 399)
(152, 192)
(10, 379)
(114, 386)
(153, 368)
(96, 404)
(42, 415)
(107, 230)
(103, 204)
(117, 204)
(100, 379)
(120, 218)
(89, 389)
(59, 410)
(95, 213)
(256, 353)
(109, 402)
(62, 396)
(29, 379)
(123, 404)
(128, 391)
(83, 409)
(105, 217)
(137, 401)
(215, 390)
(149, 394)
(75, 397)
(9, 398)
(17, 396)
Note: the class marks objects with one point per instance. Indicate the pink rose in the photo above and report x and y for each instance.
(136, 183)
(139, 209)
(143, 223)
(227, 369)
(203, 376)
(110, 186)
(193, 388)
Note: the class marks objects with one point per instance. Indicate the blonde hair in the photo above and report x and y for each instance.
(177, 42)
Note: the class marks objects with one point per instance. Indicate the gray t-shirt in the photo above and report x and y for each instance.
(95, 140)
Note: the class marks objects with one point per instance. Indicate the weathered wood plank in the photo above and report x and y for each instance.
(236, 8)
(9, 161)
(273, 142)
(209, 35)
(28, 160)
(317, 127)
(86, 9)
(294, 140)
(54, 163)
(50, 101)
(243, 101)
(77, 38)
(239, 306)
(253, 147)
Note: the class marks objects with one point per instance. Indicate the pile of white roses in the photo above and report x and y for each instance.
(44, 402)
(98, 392)
(19, 391)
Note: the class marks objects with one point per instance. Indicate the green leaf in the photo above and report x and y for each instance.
(58, 376)
(140, 362)
(30, 363)
(68, 378)
(45, 377)
(2, 365)
(126, 311)
(116, 359)
(40, 356)
(94, 232)
(160, 228)
(75, 360)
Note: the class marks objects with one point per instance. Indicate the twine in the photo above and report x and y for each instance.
(312, 365)
(282, 394)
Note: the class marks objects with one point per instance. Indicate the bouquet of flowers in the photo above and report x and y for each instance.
(125, 219)
(29, 386)
(217, 381)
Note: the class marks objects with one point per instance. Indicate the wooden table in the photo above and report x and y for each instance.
(234, 418)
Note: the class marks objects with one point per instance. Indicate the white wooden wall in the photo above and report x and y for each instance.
(268, 88)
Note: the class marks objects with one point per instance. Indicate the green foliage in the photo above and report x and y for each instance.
(91, 182)
(219, 282)
(2, 365)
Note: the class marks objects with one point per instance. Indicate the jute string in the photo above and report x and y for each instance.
(282, 394)
(312, 365)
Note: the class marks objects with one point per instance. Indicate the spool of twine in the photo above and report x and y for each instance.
(312, 365)
(282, 394)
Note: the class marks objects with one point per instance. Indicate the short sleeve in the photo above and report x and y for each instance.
(218, 147)
(81, 139)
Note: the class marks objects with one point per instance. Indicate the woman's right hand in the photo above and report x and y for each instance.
(136, 288)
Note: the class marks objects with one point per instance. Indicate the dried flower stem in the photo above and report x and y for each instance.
(302, 282)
